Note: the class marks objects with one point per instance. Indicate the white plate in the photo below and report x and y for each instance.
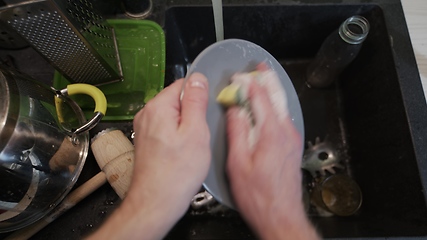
(218, 63)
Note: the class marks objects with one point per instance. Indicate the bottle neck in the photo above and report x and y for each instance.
(354, 30)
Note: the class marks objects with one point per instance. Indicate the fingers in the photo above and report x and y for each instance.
(269, 132)
(164, 106)
(277, 94)
(169, 95)
(262, 67)
(166, 101)
(195, 101)
(238, 131)
(261, 106)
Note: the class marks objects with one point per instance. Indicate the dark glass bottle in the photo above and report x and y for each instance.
(338, 50)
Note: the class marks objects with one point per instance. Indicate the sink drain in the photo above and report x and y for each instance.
(320, 157)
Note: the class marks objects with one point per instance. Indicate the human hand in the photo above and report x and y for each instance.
(172, 158)
(265, 174)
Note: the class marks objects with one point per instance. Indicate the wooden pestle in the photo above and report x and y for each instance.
(66, 157)
(114, 153)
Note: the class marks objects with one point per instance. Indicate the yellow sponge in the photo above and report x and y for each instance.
(229, 96)
(235, 93)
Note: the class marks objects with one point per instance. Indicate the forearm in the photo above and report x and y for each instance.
(288, 222)
(291, 225)
(289, 230)
(133, 222)
(296, 233)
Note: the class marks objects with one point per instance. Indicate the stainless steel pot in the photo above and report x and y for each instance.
(44, 142)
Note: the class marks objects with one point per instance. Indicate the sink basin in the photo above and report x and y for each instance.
(375, 114)
(364, 115)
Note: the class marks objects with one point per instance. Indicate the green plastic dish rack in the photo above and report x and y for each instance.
(141, 45)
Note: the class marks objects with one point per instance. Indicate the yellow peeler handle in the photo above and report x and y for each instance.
(94, 92)
(97, 95)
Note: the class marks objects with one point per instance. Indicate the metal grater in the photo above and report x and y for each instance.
(78, 42)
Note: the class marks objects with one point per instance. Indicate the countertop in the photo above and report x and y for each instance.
(416, 18)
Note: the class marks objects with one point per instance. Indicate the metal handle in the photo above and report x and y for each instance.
(202, 199)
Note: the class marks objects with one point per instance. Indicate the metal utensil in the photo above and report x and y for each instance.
(78, 42)
(44, 142)
(202, 199)
(320, 157)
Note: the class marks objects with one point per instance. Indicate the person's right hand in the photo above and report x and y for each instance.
(265, 176)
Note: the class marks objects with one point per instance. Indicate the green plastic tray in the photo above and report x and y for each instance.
(141, 46)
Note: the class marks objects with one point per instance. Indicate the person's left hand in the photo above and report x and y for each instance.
(172, 158)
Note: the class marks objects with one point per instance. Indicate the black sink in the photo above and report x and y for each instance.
(375, 114)
(364, 115)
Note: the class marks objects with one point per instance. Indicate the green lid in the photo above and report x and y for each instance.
(141, 46)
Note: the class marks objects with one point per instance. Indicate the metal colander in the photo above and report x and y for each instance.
(78, 42)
